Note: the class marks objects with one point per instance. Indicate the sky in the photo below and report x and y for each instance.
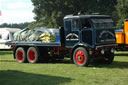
(16, 11)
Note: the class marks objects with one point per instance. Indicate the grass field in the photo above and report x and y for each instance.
(63, 72)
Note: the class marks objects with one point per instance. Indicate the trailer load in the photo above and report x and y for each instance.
(38, 34)
(83, 39)
(48, 37)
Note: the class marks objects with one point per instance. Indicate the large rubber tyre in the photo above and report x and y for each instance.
(80, 57)
(110, 58)
(32, 55)
(20, 55)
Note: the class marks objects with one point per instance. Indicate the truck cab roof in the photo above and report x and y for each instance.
(86, 16)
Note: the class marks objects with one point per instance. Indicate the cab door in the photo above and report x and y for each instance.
(71, 28)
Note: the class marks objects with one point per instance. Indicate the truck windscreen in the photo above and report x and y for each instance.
(85, 23)
(102, 23)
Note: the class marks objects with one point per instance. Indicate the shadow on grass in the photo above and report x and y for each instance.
(115, 64)
(60, 61)
(7, 61)
(5, 52)
(3, 58)
(12, 77)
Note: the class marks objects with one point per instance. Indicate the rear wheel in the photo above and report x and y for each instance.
(20, 55)
(32, 55)
(80, 57)
(110, 58)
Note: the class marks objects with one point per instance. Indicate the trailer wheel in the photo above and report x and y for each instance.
(20, 55)
(80, 57)
(32, 55)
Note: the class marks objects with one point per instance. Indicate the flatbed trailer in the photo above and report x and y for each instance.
(23, 43)
(83, 39)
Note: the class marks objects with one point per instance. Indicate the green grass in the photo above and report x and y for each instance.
(63, 73)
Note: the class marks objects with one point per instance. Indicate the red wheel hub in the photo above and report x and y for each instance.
(20, 56)
(80, 57)
(31, 56)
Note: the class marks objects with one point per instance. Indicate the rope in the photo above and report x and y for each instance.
(14, 45)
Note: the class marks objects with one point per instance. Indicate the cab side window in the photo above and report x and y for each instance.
(68, 25)
(75, 24)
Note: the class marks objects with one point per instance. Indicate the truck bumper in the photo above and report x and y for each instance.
(106, 46)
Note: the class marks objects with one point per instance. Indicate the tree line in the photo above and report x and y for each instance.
(50, 13)
(15, 25)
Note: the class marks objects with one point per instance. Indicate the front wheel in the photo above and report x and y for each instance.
(80, 57)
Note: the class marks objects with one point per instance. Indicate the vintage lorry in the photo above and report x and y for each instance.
(83, 38)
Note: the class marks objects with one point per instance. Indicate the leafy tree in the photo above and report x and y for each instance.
(122, 11)
(32, 25)
(50, 13)
(107, 7)
(15, 25)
